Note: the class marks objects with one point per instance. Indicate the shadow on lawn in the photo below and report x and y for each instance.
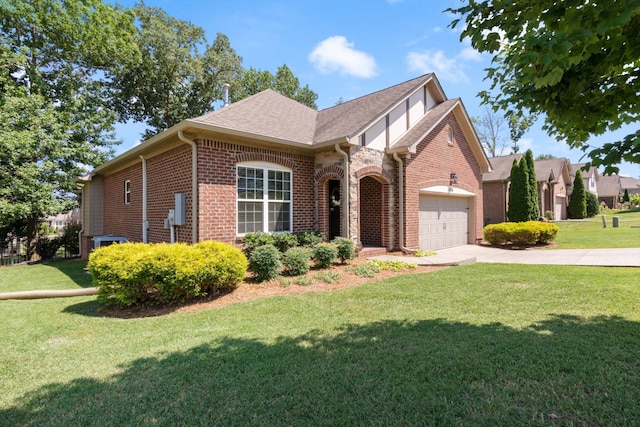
(565, 371)
(74, 270)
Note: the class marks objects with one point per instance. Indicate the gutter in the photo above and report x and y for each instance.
(345, 211)
(194, 185)
(401, 204)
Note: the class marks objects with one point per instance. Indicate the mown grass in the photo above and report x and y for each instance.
(590, 233)
(483, 344)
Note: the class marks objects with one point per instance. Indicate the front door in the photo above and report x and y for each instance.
(334, 208)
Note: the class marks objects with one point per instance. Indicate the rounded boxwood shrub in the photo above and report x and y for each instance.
(325, 254)
(135, 273)
(255, 240)
(308, 238)
(346, 248)
(520, 234)
(296, 261)
(284, 241)
(265, 262)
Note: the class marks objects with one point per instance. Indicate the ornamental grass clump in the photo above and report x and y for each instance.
(131, 274)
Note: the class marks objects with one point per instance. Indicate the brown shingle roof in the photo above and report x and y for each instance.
(609, 186)
(349, 118)
(501, 168)
(266, 114)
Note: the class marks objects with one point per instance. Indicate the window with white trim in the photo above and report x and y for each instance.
(263, 198)
(450, 135)
(127, 192)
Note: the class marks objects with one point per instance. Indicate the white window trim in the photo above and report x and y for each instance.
(265, 200)
(127, 192)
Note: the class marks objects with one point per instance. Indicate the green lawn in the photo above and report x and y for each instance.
(590, 233)
(483, 344)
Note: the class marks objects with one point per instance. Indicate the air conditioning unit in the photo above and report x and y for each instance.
(106, 240)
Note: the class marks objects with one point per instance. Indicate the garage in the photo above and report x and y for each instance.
(443, 221)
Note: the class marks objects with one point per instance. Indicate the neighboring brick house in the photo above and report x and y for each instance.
(590, 178)
(632, 185)
(610, 191)
(552, 176)
(399, 168)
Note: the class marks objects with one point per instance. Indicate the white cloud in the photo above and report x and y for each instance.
(525, 144)
(470, 54)
(447, 69)
(336, 54)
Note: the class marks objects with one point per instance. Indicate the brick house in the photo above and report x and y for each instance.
(553, 178)
(399, 168)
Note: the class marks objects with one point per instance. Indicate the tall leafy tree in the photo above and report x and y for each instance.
(534, 205)
(575, 62)
(519, 199)
(179, 76)
(283, 82)
(53, 58)
(577, 208)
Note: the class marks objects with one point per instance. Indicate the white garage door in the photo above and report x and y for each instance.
(444, 222)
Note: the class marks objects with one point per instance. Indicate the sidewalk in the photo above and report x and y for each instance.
(626, 257)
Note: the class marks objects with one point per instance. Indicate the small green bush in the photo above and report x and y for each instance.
(346, 248)
(130, 274)
(284, 241)
(304, 281)
(255, 240)
(364, 270)
(47, 247)
(308, 238)
(392, 265)
(593, 206)
(296, 261)
(328, 276)
(265, 262)
(520, 234)
(325, 254)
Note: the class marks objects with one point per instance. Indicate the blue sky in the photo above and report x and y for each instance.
(349, 48)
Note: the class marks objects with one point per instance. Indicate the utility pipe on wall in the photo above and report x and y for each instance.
(401, 203)
(345, 211)
(145, 222)
(194, 185)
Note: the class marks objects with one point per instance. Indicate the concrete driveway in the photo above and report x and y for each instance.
(627, 257)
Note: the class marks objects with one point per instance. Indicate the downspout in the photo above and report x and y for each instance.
(194, 185)
(145, 222)
(345, 211)
(82, 228)
(401, 204)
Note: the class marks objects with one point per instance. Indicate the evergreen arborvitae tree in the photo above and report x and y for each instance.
(577, 208)
(519, 193)
(534, 206)
(625, 197)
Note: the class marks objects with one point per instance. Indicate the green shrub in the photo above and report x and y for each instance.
(308, 238)
(346, 248)
(422, 253)
(255, 240)
(70, 239)
(392, 265)
(520, 234)
(325, 254)
(296, 261)
(304, 281)
(328, 276)
(47, 247)
(364, 270)
(284, 241)
(265, 262)
(593, 206)
(135, 273)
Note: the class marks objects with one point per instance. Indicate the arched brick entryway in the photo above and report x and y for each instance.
(373, 208)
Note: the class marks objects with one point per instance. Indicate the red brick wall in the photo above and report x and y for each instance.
(371, 212)
(217, 177)
(495, 198)
(432, 165)
(120, 218)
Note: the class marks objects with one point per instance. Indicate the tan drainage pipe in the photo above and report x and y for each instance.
(48, 294)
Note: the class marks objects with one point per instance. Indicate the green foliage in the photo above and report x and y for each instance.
(47, 247)
(577, 208)
(364, 270)
(308, 238)
(392, 265)
(304, 281)
(422, 253)
(346, 248)
(520, 234)
(327, 276)
(593, 207)
(284, 241)
(135, 273)
(534, 206)
(548, 215)
(625, 196)
(519, 192)
(179, 75)
(569, 61)
(296, 261)
(265, 262)
(255, 240)
(70, 239)
(284, 82)
(324, 254)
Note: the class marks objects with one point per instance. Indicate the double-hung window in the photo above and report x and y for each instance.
(263, 198)
(127, 192)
